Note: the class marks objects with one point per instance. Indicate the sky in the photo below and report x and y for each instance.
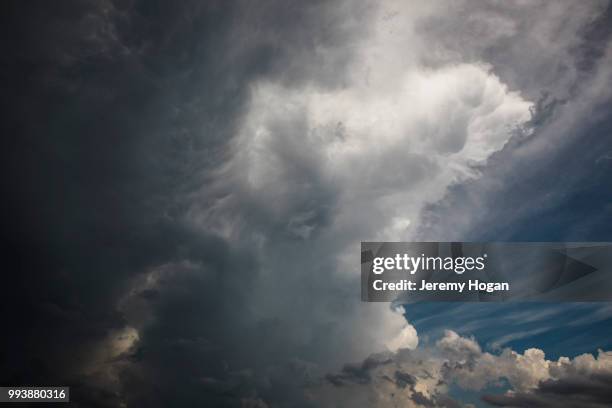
(186, 185)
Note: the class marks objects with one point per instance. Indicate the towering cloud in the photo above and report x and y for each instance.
(188, 184)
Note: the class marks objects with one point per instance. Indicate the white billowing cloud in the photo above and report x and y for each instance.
(565, 125)
(389, 139)
(314, 169)
(324, 168)
(372, 327)
(406, 337)
(472, 368)
(421, 377)
(400, 145)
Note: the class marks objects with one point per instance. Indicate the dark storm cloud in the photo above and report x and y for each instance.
(578, 391)
(359, 373)
(555, 53)
(113, 112)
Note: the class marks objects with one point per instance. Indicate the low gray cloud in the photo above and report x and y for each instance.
(578, 391)
(420, 378)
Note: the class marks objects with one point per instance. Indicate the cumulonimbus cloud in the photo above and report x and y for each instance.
(305, 138)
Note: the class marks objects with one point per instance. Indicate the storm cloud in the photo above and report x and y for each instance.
(187, 184)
